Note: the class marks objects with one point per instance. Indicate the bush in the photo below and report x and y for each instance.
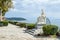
(12, 22)
(18, 24)
(21, 24)
(50, 29)
(30, 26)
(57, 34)
(3, 23)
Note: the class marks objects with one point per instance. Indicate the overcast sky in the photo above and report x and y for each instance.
(32, 8)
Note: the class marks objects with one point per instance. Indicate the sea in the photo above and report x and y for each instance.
(52, 21)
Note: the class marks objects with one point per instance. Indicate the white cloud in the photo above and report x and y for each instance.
(53, 14)
(32, 3)
(26, 3)
(17, 10)
(55, 2)
(14, 2)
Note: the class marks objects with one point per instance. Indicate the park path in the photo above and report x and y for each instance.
(12, 32)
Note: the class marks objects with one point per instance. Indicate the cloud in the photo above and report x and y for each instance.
(14, 2)
(21, 11)
(53, 15)
(26, 2)
(15, 10)
(52, 2)
(32, 2)
(35, 4)
(34, 7)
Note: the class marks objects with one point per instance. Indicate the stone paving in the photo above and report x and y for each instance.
(12, 32)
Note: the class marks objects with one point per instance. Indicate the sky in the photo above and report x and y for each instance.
(31, 9)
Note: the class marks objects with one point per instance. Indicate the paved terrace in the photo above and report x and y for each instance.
(12, 32)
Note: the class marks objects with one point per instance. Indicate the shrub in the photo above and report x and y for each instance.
(3, 23)
(50, 29)
(58, 33)
(12, 22)
(21, 24)
(30, 26)
(18, 24)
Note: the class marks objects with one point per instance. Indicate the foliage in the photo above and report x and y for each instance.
(5, 5)
(12, 22)
(30, 26)
(58, 33)
(50, 29)
(18, 24)
(21, 24)
(3, 23)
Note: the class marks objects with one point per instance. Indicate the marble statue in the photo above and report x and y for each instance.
(41, 20)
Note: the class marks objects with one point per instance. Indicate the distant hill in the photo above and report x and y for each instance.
(16, 18)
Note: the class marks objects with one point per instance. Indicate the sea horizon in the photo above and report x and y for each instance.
(52, 21)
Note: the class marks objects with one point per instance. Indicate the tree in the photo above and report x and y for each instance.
(5, 5)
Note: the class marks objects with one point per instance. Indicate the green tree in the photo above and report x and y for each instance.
(5, 5)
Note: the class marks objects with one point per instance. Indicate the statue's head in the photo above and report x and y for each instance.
(43, 14)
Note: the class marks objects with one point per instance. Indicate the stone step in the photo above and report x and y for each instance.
(34, 31)
(31, 31)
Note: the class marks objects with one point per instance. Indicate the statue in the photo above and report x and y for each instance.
(41, 20)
